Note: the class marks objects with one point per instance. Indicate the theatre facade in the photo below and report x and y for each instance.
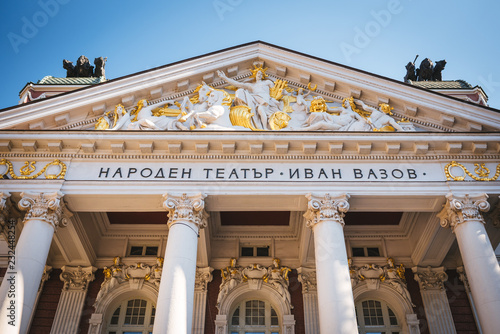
(250, 190)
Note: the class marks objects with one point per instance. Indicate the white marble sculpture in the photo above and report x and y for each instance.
(259, 104)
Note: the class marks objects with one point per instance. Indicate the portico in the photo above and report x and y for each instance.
(254, 195)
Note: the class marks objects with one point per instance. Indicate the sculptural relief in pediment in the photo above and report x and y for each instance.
(258, 104)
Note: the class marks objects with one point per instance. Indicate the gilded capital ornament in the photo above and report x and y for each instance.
(186, 208)
(430, 278)
(321, 208)
(462, 208)
(77, 278)
(48, 207)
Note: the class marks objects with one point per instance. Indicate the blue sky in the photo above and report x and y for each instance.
(375, 36)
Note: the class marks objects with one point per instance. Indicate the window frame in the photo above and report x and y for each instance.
(243, 328)
(121, 328)
(387, 328)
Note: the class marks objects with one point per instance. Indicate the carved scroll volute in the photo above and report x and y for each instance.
(77, 278)
(186, 208)
(48, 207)
(326, 208)
(459, 209)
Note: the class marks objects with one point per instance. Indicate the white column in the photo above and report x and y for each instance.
(307, 277)
(69, 309)
(462, 214)
(203, 277)
(335, 299)
(175, 297)
(437, 309)
(21, 282)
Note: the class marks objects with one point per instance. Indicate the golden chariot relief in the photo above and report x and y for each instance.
(257, 104)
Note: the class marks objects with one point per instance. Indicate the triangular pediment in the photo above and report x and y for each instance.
(300, 93)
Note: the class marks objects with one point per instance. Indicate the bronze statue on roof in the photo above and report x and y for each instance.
(83, 67)
(426, 72)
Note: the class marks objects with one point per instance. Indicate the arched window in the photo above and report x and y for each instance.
(254, 316)
(376, 317)
(133, 316)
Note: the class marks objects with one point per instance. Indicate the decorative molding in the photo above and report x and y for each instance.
(461, 208)
(47, 207)
(413, 323)
(45, 276)
(202, 278)
(307, 277)
(463, 277)
(391, 275)
(255, 277)
(186, 209)
(430, 278)
(5, 208)
(29, 168)
(345, 156)
(136, 275)
(482, 172)
(329, 208)
(77, 278)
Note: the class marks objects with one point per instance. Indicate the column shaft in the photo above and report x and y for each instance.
(462, 214)
(31, 254)
(335, 299)
(483, 272)
(175, 298)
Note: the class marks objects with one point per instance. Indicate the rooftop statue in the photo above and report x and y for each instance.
(83, 67)
(410, 71)
(426, 72)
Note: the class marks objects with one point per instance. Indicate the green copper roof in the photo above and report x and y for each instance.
(50, 80)
(451, 84)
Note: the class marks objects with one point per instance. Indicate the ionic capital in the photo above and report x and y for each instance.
(430, 278)
(185, 208)
(77, 278)
(307, 277)
(48, 207)
(462, 208)
(203, 277)
(326, 208)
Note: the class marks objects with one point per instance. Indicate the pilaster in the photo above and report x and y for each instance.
(437, 309)
(76, 281)
(203, 277)
(307, 277)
